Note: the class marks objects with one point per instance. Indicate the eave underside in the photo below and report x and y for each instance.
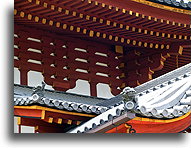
(139, 32)
(104, 22)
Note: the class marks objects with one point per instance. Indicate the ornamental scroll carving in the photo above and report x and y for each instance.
(129, 128)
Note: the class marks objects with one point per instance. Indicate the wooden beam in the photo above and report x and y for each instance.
(44, 129)
(36, 122)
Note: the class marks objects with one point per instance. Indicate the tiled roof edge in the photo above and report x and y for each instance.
(174, 3)
(164, 78)
(58, 104)
(60, 92)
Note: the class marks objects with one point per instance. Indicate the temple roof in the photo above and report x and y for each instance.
(168, 96)
(153, 84)
(151, 38)
(164, 78)
(168, 99)
(24, 96)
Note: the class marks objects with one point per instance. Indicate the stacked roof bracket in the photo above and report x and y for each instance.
(107, 28)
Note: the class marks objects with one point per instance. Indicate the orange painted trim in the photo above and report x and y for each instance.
(40, 108)
(146, 125)
(27, 113)
(165, 7)
(162, 121)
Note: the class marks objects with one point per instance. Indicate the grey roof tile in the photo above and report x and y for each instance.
(23, 95)
(157, 98)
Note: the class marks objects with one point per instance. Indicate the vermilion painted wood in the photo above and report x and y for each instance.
(154, 127)
(44, 129)
(28, 113)
(44, 114)
(137, 72)
(65, 116)
(136, 67)
(180, 60)
(149, 11)
(42, 126)
(36, 122)
(73, 20)
(69, 61)
(90, 8)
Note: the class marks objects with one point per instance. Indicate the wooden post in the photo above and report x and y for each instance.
(93, 89)
(24, 77)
